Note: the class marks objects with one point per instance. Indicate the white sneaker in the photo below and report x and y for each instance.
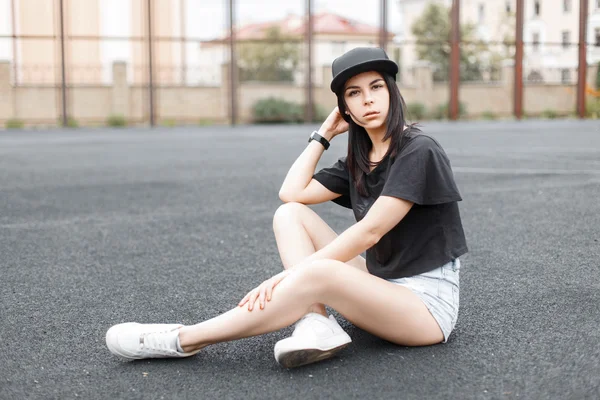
(135, 341)
(315, 338)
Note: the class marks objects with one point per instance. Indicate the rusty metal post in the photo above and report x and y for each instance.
(183, 42)
(150, 63)
(65, 119)
(232, 65)
(383, 25)
(14, 40)
(582, 69)
(308, 37)
(454, 60)
(518, 81)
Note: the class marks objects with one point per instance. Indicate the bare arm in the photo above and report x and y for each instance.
(385, 213)
(298, 184)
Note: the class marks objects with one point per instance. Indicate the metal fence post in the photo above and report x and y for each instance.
(383, 25)
(582, 69)
(308, 36)
(183, 33)
(150, 62)
(62, 65)
(232, 65)
(518, 83)
(14, 40)
(454, 60)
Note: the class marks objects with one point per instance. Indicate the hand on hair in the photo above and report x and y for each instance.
(334, 125)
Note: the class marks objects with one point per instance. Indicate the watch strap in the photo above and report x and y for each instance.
(315, 136)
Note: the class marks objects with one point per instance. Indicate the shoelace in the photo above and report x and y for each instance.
(156, 342)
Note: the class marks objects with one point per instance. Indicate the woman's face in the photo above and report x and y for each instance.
(368, 99)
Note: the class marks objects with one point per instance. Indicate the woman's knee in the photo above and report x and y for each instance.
(319, 275)
(286, 212)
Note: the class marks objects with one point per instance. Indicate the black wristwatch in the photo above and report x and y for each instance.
(315, 136)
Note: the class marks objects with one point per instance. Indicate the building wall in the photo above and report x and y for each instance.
(83, 56)
(93, 104)
(37, 59)
(552, 21)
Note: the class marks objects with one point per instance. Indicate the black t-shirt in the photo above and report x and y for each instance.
(431, 233)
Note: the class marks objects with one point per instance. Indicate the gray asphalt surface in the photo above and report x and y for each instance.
(103, 226)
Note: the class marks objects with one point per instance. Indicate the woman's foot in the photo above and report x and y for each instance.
(135, 341)
(315, 338)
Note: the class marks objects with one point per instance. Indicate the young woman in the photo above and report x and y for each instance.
(401, 189)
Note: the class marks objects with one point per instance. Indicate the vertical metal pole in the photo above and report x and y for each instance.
(582, 69)
(62, 65)
(383, 25)
(150, 64)
(14, 35)
(518, 81)
(182, 4)
(232, 65)
(454, 60)
(308, 36)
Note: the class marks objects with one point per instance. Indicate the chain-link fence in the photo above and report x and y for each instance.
(173, 62)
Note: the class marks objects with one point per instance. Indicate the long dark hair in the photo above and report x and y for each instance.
(359, 143)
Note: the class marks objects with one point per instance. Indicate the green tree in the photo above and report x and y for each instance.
(271, 60)
(432, 32)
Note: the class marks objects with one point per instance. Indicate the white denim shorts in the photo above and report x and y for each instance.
(439, 290)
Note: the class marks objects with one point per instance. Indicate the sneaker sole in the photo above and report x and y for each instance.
(298, 358)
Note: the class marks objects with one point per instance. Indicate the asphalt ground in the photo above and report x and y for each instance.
(102, 226)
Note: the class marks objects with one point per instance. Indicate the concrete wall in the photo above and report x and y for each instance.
(93, 104)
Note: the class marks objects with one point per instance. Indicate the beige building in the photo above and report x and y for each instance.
(88, 58)
(551, 27)
(38, 59)
(333, 35)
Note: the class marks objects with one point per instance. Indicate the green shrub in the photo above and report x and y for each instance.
(274, 110)
(320, 113)
(416, 110)
(72, 123)
(592, 108)
(489, 115)
(205, 122)
(550, 114)
(116, 120)
(441, 111)
(14, 123)
(169, 122)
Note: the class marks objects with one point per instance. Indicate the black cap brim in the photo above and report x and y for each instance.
(387, 66)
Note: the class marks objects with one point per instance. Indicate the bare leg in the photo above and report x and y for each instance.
(300, 232)
(387, 310)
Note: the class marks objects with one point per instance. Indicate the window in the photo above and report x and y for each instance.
(481, 13)
(566, 39)
(565, 75)
(597, 37)
(566, 6)
(536, 8)
(536, 41)
(535, 76)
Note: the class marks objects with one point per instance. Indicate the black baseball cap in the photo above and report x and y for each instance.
(359, 60)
